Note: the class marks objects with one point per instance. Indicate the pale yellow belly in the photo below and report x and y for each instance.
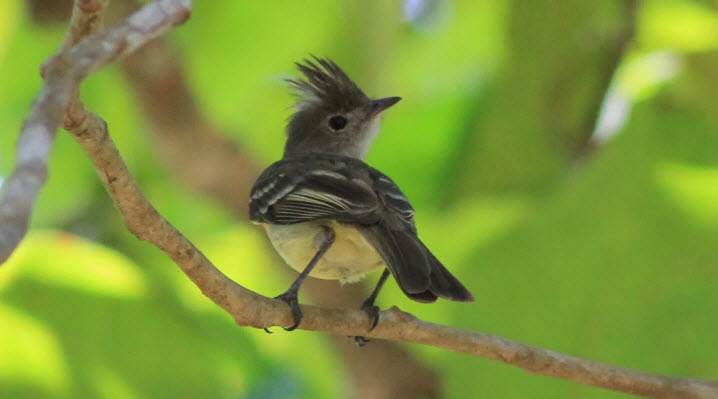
(349, 258)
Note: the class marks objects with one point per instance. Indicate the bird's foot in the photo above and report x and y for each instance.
(290, 297)
(373, 312)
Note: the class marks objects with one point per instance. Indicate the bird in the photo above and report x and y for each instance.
(330, 215)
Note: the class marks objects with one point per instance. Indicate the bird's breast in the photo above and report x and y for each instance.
(349, 258)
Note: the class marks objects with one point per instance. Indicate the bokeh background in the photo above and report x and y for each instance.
(562, 158)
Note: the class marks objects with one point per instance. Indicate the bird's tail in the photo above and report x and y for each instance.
(417, 271)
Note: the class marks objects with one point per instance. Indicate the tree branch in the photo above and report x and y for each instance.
(251, 309)
(63, 72)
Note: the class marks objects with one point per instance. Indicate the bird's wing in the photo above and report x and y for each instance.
(396, 206)
(417, 271)
(313, 188)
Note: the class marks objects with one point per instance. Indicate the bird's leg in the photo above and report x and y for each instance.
(368, 304)
(369, 307)
(323, 241)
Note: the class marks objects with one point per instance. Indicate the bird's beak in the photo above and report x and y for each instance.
(380, 105)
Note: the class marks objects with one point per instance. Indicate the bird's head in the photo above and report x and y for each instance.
(332, 114)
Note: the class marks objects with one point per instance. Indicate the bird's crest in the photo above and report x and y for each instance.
(325, 84)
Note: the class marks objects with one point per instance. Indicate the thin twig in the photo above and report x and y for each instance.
(617, 48)
(38, 133)
(86, 20)
(63, 73)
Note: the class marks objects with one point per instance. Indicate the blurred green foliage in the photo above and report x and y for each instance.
(610, 256)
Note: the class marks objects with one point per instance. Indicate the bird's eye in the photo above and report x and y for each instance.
(337, 122)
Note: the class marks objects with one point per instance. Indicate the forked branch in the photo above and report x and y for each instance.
(62, 74)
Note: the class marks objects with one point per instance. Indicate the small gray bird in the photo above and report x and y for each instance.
(332, 216)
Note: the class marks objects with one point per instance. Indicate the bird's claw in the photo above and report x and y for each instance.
(290, 298)
(373, 312)
(360, 341)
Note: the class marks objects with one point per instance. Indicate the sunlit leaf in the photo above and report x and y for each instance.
(678, 25)
(693, 188)
(9, 17)
(31, 358)
(65, 260)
